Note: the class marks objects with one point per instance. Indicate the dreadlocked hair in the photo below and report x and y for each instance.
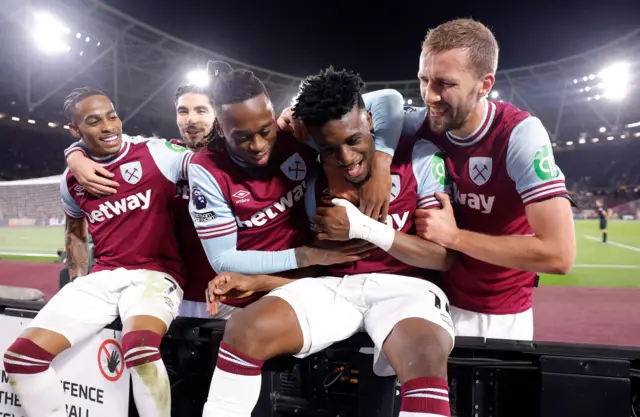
(75, 97)
(229, 86)
(328, 95)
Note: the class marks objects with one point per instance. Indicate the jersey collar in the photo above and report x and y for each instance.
(114, 157)
(481, 130)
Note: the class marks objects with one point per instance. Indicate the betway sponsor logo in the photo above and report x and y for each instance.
(479, 202)
(274, 209)
(397, 221)
(110, 209)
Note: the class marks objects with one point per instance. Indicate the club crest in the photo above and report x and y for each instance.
(131, 172)
(480, 169)
(294, 168)
(395, 186)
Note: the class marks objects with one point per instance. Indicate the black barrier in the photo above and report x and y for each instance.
(487, 378)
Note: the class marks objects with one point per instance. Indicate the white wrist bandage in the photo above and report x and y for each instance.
(363, 227)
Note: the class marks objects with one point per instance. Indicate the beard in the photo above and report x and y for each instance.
(198, 141)
(454, 117)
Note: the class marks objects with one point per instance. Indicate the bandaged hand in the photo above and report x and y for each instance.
(344, 221)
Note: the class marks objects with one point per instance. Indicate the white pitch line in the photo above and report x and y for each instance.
(28, 254)
(606, 266)
(610, 242)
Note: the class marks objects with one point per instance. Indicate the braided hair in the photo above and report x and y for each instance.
(75, 97)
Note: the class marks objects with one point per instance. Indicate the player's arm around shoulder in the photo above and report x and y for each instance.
(172, 160)
(90, 174)
(387, 117)
(541, 185)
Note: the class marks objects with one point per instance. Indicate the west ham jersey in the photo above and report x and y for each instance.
(134, 228)
(417, 173)
(249, 219)
(504, 165)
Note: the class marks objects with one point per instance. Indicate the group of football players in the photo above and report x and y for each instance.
(349, 213)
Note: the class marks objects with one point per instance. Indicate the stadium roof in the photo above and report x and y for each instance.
(140, 66)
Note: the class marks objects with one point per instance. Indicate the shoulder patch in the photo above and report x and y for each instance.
(175, 147)
(544, 164)
(438, 169)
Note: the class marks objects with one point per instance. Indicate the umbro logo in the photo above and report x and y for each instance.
(241, 196)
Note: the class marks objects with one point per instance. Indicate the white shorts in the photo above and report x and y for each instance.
(331, 309)
(199, 310)
(83, 307)
(493, 326)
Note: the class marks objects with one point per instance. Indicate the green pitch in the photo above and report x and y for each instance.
(31, 243)
(616, 264)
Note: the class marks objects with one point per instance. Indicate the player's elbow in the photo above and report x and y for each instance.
(562, 261)
(219, 264)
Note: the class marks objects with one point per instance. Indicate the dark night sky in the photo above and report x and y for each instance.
(382, 43)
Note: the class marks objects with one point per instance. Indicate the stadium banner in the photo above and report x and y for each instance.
(93, 376)
(30, 222)
(17, 222)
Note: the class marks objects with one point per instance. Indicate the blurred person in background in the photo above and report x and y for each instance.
(603, 216)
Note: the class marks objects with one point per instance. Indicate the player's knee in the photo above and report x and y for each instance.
(249, 334)
(265, 329)
(421, 349)
(139, 348)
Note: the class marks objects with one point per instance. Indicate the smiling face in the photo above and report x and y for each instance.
(194, 116)
(249, 128)
(347, 143)
(95, 121)
(450, 88)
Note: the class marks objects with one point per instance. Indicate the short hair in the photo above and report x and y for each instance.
(192, 89)
(467, 34)
(229, 86)
(328, 95)
(75, 97)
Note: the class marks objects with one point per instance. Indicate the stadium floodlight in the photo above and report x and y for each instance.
(495, 94)
(634, 124)
(52, 124)
(198, 77)
(569, 143)
(603, 129)
(582, 140)
(615, 80)
(50, 34)
(66, 127)
(594, 140)
(409, 102)
(31, 121)
(609, 137)
(15, 119)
